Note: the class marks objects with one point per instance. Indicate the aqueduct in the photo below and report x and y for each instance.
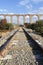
(24, 15)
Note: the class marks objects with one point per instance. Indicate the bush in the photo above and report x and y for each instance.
(38, 26)
(27, 25)
(9, 26)
(32, 26)
(3, 22)
(5, 26)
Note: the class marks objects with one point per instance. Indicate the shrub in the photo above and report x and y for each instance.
(5, 26)
(9, 26)
(27, 25)
(32, 26)
(38, 26)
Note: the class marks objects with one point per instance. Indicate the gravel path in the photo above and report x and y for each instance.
(19, 51)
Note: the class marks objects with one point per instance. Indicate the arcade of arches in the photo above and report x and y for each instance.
(24, 16)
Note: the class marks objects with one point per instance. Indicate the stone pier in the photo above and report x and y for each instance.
(17, 20)
(11, 19)
(23, 19)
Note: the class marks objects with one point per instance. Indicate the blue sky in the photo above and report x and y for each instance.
(21, 6)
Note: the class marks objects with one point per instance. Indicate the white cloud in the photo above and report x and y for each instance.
(32, 12)
(29, 6)
(38, 11)
(41, 10)
(10, 13)
(24, 2)
(3, 10)
(37, 1)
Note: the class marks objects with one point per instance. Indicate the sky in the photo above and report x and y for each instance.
(21, 6)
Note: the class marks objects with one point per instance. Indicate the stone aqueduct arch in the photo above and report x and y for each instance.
(24, 15)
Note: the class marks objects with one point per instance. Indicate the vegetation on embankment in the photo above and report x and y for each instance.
(4, 26)
(38, 26)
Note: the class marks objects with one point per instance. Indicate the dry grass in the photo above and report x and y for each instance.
(16, 26)
(3, 32)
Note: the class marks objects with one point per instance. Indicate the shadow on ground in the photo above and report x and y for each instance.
(37, 51)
